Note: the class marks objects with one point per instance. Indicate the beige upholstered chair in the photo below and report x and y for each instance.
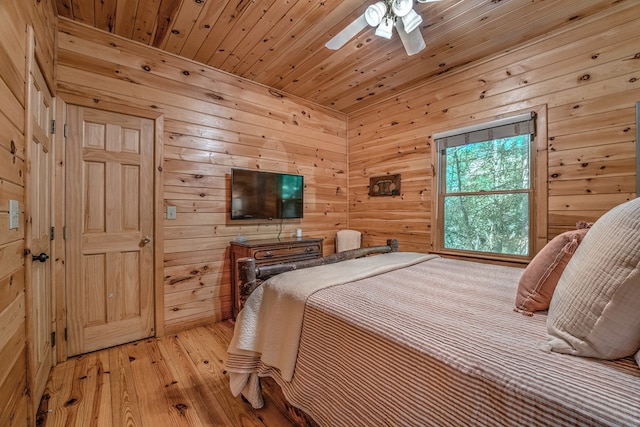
(348, 239)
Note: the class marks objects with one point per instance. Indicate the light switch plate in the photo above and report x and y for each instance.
(171, 212)
(14, 214)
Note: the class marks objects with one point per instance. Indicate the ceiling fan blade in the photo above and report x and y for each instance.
(413, 41)
(349, 32)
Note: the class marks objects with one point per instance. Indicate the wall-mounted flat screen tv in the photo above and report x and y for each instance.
(266, 195)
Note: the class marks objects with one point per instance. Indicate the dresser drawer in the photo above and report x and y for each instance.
(277, 253)
(268, 252)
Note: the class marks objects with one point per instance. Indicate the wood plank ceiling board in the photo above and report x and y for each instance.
(146, 23)
(252, 19)
(183, 23)
(166, 19)
(125, 18)
(203, 25)
(300, 48)
(226, 24)
(63, 7)
(83, 11)
(105, 14)
(301, 16)
(280, 44)
(257, 33)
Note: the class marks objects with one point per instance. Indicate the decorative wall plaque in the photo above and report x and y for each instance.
(388, 185)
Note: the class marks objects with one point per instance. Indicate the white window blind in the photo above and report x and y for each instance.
(523, 124)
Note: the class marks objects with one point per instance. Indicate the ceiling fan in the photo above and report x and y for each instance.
(384, 15)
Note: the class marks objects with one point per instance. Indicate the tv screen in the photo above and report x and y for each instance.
(265, 195)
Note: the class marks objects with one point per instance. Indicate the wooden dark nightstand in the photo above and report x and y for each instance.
(271, 251)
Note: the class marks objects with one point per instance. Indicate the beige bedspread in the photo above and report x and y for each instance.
(438, 344)
(269, 325)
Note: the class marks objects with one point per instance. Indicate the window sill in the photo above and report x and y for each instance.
(513, 261)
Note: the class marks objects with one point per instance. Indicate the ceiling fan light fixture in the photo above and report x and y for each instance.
(385, 29)
(375, 13)
(411, 21)
(384, 15)
(401, 8)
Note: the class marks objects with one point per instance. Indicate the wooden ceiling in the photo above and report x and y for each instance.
(280, 43)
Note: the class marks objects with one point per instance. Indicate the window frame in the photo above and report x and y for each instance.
(538, 206)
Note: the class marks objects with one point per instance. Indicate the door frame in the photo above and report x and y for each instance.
(158, 205)
(33, 63)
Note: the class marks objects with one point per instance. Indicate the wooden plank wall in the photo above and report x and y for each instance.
(212, 122)
(588, 76)
(15, 16)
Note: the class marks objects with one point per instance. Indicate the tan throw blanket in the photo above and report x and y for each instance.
(270, 323)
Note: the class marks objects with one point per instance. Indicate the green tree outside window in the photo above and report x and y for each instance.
(486, 196)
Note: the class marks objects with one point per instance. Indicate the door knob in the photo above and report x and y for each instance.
(42, 257)
(146, 240)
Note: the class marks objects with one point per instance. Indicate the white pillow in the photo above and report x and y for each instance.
(595, 309)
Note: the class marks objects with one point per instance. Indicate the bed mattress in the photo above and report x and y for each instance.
(438, 344)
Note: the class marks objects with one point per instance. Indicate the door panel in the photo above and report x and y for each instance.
(109, 229)
(39, 292)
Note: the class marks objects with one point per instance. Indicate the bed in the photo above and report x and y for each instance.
(407, 339)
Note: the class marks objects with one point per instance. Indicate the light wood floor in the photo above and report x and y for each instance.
(176, 380)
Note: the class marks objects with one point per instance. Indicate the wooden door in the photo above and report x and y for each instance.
(40, 319)
(109, 189)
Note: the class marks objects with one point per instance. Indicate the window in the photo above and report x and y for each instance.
(486, 189)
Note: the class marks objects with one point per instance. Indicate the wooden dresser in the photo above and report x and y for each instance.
(271, 251)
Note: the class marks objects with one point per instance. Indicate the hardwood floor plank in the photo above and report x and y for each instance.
(162, 395)
(52, 404)
(177, 380)
(207, 348)
(89, 392)
(78, 393)
(124, 402)
(199, 395)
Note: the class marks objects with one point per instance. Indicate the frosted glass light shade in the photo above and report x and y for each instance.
(401, 8)
(411, 21)
(375, 13)
(385, 29)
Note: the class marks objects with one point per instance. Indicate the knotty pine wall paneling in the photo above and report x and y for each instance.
(588, 76)
(212, 122)
(15, 16)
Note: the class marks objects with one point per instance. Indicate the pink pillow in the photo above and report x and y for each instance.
(539, 279)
